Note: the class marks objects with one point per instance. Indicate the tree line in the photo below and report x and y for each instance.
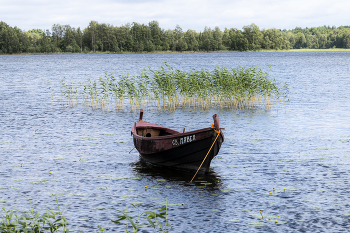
(149, 38)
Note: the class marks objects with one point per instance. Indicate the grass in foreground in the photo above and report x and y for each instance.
(52, 221)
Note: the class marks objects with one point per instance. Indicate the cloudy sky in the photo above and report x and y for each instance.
(189, 14)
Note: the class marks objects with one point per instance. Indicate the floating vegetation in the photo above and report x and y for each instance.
(207, 183)
(9, 187)
(246, 210)
(131, 190)
(80, 160)
(23, 180)
(40, 181)
(125, 178)
(279, 223)
(124, 196)
(169, 204)
(225, 190)
(137, 203)
(256, 224)
(170, 88)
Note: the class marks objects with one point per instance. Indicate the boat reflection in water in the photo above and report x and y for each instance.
(170, 148)
(172, 175)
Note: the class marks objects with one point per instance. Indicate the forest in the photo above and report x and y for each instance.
(140, 38)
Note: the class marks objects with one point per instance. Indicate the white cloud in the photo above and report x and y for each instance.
(189, 14)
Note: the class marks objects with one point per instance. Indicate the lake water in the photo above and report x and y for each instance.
(303, 147)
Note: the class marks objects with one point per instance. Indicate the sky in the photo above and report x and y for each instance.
(188, 14)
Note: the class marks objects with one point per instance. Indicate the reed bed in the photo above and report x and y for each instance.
(170, 88)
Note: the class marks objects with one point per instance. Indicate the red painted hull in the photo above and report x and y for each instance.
(175, 149)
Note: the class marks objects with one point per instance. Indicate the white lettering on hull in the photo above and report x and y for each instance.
(184, 140)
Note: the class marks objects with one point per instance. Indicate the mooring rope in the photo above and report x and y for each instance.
(218, 132)
(132, 149)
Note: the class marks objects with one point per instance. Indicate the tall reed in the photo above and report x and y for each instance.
(170, 88)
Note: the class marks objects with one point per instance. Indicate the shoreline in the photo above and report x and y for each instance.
(220, 51)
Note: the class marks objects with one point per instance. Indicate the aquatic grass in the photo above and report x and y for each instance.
(170, 88)
(52, 91)
(69, 91)
(52, 221)
(152, 217)
(106, 84)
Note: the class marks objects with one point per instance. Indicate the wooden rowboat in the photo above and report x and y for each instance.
(167, 147)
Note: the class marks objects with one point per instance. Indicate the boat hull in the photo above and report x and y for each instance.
(182, 150)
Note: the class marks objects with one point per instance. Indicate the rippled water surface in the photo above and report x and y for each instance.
(303, 147)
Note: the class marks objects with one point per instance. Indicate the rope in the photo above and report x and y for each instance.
(132, 150)
(218, 132)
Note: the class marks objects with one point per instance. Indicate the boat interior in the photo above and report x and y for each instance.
(151, 132)
(146, 129)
